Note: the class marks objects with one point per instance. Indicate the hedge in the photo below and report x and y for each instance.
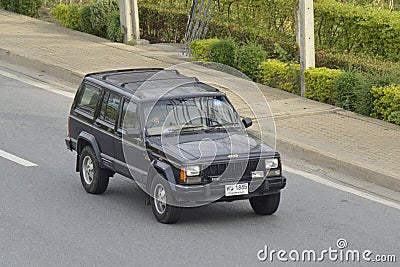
(24, 7)
(386, 105)
(84, 19)
(100, 11)
(351, 61)
(100, 17)
(114, 32)
(281, 75)
(320, 83)
(159, 24)
(359, 29)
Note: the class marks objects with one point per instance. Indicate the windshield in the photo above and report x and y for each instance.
(190, 115)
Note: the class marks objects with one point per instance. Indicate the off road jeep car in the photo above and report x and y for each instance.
(179, 139)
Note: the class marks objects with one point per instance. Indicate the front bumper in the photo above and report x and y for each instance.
(215, 192)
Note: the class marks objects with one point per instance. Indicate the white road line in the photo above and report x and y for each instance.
(343, 188)
(37, 84)
(16, 159)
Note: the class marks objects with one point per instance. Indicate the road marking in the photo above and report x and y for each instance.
(343, 188)
(36, 84)
(16, 159)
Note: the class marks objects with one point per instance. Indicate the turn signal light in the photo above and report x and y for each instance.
(183, 176)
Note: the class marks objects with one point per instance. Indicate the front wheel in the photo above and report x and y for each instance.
(161, 199)
(94, 179)
(265, 205)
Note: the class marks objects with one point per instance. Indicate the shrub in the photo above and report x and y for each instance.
(386, 103)
(394, 117)
(201, 48)
(84, 19)
(249, 58)
(281, 75)
(352, 92)
(114, 32)
(320, 84)
(99, 12)
(68, 15)
(24, 7)
(224, 52)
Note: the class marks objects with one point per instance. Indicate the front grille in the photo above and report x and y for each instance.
(239, 170)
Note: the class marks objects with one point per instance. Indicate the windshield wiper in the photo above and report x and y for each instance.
(191, 128)
(229, 125)
(184, 129)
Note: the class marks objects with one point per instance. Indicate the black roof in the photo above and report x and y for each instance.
(153, 83)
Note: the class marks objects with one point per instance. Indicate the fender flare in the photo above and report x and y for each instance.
(92, 141)
(163, 168)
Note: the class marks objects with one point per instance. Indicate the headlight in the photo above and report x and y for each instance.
(272, 163)
(190, 175)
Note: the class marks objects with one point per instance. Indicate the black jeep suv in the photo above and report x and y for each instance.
(181, 141)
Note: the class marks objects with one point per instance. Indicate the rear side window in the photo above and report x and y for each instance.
(129, 117)
(110, 107)
(89, 98)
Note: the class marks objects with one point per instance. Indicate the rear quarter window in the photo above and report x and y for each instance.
(88, 99)
(110, 107)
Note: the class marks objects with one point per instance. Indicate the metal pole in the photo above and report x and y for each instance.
(307, 46)
(203, 20)
(203, 35)
(197, 25)
(190, 20)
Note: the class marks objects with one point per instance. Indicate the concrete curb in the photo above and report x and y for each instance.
(312, 155)
(54, 70)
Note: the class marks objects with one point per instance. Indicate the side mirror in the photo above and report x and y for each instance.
(133, 132)
(247, 122)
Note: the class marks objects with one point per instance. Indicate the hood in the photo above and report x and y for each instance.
(209, 147)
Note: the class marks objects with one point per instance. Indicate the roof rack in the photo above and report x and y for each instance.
(118, 72)
(163, 79)
(121, 71)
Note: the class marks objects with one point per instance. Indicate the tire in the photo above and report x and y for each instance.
(265, 205)
(94, 179)
(161, 195)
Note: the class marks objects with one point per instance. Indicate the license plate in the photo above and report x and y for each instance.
(236, 189)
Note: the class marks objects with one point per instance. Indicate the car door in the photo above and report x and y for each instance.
(106, 124)
(130, 153)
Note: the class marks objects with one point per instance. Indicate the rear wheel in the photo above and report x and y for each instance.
(265, 205)
(94, 179)
(161, 198)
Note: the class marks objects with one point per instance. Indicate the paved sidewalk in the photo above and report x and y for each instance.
(313, 131)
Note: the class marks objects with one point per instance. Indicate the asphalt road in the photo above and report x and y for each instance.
(47, 219)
